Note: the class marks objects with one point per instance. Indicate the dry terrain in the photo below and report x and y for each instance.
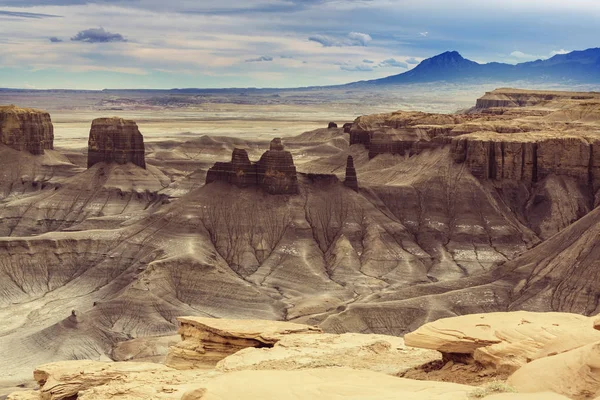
(488, 210)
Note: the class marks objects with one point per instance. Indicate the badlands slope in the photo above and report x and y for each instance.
(490, 210)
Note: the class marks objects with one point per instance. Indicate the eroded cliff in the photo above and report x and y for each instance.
(115, 140)
(26, 129)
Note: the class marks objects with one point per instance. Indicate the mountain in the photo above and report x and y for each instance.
(577, 66)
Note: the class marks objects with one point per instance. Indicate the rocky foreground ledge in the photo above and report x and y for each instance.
(543, 355)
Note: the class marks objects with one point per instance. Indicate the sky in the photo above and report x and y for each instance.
(97, 44)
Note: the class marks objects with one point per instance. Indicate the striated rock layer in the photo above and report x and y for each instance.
(115, 140)
(206, 341)
(26, 129)
(274, 172)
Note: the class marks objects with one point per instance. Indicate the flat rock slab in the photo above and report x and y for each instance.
(380, 353)
(206, 341)
(339, 383)
(261, 330)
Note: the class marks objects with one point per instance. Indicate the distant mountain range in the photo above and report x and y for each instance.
(575, 67)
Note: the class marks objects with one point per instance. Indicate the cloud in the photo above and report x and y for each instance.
(412, 61)
(286, 57)
(392, 62)
(424, 34)
(352, 39)
(557, 52)
(523, 56)
(368, 61)
(356, 68)
(98, 35)
(21, 14)
(361, 39)
(54, 39)
(259, 59)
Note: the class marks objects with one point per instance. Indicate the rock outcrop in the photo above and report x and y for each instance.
(206, 341)
(501, 341)
(332, 125)
(347, 127)
(530, 158)
(274, 172)
(351, 180)
(507, 98)
(115, 140)
(575, 374)
(26, 129)
(380, 353)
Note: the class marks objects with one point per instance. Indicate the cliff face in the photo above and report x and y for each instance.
(26, 129)
(274, 172)
(505, 98)
(115, 140)
(529, 159)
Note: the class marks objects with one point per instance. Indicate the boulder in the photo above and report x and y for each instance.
(500, 341)
(351, 180)
(332, 125)
(115, 140)
(347, 127)
(206, 341)
(26, 129)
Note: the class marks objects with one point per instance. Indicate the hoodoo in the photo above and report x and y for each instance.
(115, 140)
(275, 172)
(26, 129)
(351, 180)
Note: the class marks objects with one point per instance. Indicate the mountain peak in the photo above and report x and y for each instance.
(449, 60)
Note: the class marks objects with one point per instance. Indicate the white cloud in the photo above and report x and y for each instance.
(556, 52)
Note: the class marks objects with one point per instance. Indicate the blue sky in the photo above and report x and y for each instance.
(271, 43)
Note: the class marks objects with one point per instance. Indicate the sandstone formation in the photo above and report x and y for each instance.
(274, 172)
(26, 129)
(347, 127)
(332, 125)
(115, 140)
(502, 341)
(380, 353)
(206, 341)
(351, 181)
(574, 374)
